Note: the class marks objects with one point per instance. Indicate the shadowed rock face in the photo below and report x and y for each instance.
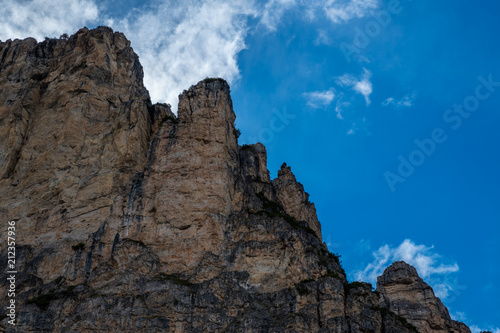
(131, 219)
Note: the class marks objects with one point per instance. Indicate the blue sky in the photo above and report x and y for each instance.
(367, 101)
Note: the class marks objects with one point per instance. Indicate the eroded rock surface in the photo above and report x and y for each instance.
(132, 219)
(407, 295)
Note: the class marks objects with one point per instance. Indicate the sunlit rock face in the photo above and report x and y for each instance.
(407, 295)
(132, 219)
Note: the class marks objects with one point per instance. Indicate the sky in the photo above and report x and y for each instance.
(387, 111)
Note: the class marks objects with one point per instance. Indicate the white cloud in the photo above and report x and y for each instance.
(273, 11)
(405, 101)
(388, 101)
(41, 18)
(341, 105)
(361, 85)
(319, 99)
(442, 290)
(343, 11)
(358, 126)
(459, 316)
(476, 329)
(423, 258)
(323, 38)
(323, 99)
(182, 43)
(332, 246)
(179, 43)
(337, 11)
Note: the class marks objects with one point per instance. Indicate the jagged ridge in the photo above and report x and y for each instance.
(133, 219)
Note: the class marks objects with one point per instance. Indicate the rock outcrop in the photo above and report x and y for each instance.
(407, 295)
(132, 219)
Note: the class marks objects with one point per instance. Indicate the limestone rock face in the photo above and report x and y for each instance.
(179, 204)
(133, 219)
(254, 163)
(407, 295)
(74, 128)
(295, 200)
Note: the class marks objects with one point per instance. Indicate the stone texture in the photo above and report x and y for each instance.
(75, 126)
(407, 295)
(133, 219)
(292, 195)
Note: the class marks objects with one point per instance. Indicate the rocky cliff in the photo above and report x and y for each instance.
(131, 219)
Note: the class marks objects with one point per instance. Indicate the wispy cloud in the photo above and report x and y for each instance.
(337, 11)
(323, 99)
(319, 99)
(273, 12)
(332, 246)
(428, 264)
(343, 11)
(361, 85)
(406, 101)
(40, 18)
(180, 43)
(477, 329)
(459, 316)
(323, 38)
(341, 105)
(358, 126)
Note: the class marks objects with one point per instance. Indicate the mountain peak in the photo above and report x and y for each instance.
(407, 295)
(133, 219)
(398, 273)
